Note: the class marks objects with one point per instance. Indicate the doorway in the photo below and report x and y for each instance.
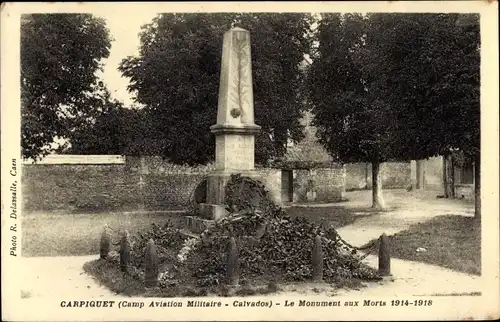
(287, 185)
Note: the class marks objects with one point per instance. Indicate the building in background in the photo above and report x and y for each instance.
(430, 175)
(308, 173)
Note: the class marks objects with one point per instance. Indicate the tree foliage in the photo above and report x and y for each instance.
(396, 86)
(350, 118)
(176, 76)
(112, 132)
(60, 55)
(430, 72)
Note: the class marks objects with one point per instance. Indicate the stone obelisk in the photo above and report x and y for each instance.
(235, 129)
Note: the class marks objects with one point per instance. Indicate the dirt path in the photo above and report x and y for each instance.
(63, 277)
(405, 209)
(60, 277)
(409, 279)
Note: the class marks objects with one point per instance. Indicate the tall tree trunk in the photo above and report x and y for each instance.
(377, 198)
(420, 174)
(448, 174)
(477, 186)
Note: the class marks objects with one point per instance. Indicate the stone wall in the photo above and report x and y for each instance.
(434, 179)
(132, 185)
(433, 173)
(85, 184)
(320, 185)
(329, 184)
(166, 185)
(79, 187)
(357, 176)
(271, 178)
(395, 175)
(464, 191)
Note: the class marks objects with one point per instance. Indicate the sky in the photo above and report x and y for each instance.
(125, 30)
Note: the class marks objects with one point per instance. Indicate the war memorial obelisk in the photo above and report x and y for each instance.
(235, 129)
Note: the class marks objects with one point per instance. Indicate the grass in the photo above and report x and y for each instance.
(334, 216)
(450, 241)
(79, 234)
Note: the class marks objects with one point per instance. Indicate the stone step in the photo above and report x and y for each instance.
(189, 234)
(196, 225)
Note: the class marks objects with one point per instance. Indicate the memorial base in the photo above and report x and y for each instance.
(212, 212)
(216, 193)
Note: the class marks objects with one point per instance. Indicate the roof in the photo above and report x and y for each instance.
(308, 153)
(79, 159)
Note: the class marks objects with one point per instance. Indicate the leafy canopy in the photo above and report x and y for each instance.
(114, 131)
(60, 55)
(396, 86)
(432, 63)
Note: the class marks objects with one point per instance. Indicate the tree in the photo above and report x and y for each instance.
(105, 135)
(117, 130)
(352, 120)
(397, 86)
(60, 54)
(433, 61)
(176, 76)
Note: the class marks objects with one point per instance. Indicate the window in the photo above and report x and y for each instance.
(465, 174)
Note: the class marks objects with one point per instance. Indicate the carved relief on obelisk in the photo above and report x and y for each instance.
(236, 89)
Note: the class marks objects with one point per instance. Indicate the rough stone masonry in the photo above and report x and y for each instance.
(235, 129)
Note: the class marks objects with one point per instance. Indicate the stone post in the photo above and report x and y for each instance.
(151, 264)
(105, 244)
(233, 265)
(384, 256)
(125, 249)
(317, 260)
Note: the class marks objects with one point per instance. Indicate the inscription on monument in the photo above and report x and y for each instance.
(240, 154)
(235, 152)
